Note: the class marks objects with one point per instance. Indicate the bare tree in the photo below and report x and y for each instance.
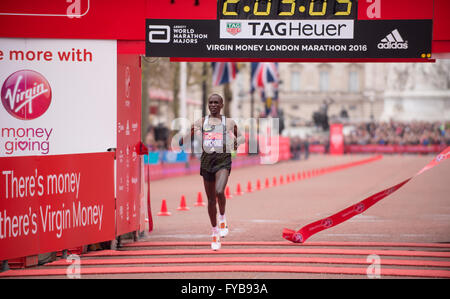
(163, 74)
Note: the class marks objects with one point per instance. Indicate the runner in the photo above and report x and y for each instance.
(220, 136)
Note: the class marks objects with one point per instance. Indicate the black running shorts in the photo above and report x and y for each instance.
(213, 162)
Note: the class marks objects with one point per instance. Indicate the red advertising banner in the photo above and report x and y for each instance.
(128, 192)
(336, 139)
(86, 19)
(396, 10)
(51, 203)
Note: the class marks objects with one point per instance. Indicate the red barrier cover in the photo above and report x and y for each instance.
(51, 203)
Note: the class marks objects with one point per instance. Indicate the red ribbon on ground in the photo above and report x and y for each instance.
(307, 231)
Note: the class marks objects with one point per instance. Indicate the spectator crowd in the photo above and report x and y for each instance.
(399, 133)
(378, 133)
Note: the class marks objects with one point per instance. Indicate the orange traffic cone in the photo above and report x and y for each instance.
(227, 193)
(238, 189)
(199, 202)
(258, 185)
(299, 176)
(164, 211)
(183, 206)
(274, 181)
(281, 180)
(266, 184)
(293, 177)
(249, 187)
(288, 179)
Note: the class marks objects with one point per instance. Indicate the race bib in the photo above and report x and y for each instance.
(212, 139)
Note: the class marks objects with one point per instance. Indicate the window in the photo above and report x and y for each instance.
(295, 81)
(353, 81)
(323, 81)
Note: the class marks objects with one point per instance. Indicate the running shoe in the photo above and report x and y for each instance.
(223, 227)
(215, 244)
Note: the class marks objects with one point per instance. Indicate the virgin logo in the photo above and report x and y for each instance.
(327, 222)
(297, 238)
(359, 208)
(441, 157)
(26, 94)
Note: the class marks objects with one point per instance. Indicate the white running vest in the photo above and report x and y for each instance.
(214, 136)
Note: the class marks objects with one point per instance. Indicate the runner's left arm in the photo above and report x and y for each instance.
(237, 134)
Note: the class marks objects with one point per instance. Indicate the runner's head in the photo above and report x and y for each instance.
(215, 104)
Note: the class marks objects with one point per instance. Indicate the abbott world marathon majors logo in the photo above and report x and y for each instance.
(25, 95)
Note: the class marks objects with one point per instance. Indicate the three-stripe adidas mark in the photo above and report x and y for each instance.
(393, 41)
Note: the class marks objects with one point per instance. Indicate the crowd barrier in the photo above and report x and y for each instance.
(317, 149)
(394, 149)
(382, 149)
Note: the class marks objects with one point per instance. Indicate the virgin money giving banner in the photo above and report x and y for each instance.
(57, 96)
(51, 203)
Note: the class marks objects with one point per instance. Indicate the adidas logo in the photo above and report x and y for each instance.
(393, 41)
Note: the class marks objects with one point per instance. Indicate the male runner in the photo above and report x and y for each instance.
(220, 136)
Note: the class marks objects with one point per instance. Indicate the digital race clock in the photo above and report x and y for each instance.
(286, 9)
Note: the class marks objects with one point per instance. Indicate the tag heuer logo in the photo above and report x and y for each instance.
(233, 28)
